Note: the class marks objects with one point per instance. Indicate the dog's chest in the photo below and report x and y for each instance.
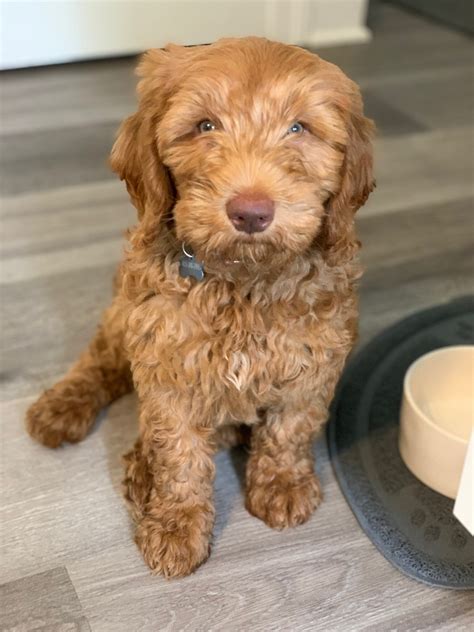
(244, 349)
(228, 351)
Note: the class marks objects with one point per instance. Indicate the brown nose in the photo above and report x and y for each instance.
(251, 212)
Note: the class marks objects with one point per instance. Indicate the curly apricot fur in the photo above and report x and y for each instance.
(261, 342)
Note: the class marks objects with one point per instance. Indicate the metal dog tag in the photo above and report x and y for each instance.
(189, 267)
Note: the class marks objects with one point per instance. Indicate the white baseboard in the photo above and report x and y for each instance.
(332, 37)
(35, 33)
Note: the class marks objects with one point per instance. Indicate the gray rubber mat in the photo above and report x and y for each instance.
(411, 525)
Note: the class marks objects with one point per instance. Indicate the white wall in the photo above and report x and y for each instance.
(35, 33)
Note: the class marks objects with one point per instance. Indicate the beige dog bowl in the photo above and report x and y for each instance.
(437, 416)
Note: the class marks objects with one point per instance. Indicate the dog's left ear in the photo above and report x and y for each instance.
(357, 181)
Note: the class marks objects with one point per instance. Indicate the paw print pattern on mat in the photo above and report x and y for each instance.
(432, 533)
(418, 517)
(458, 539)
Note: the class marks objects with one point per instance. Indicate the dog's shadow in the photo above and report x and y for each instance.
(118, 425)
(229, 485)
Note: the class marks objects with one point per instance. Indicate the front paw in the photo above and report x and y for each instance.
(175, 542)
(62, 413)
(283, 500)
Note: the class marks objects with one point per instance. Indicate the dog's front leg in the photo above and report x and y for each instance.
(282, 488)
(170, 480)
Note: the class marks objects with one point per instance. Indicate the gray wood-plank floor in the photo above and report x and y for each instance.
(67, 557)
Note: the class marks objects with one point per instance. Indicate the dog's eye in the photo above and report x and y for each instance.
(206, 126)
(296, 128)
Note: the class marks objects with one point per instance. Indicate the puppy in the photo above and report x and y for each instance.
(235, 304)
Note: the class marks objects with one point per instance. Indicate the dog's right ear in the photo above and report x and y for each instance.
(135, 156)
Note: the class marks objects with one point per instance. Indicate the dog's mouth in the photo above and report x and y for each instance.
(249, 253)
(222, 244)
(251, 239)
